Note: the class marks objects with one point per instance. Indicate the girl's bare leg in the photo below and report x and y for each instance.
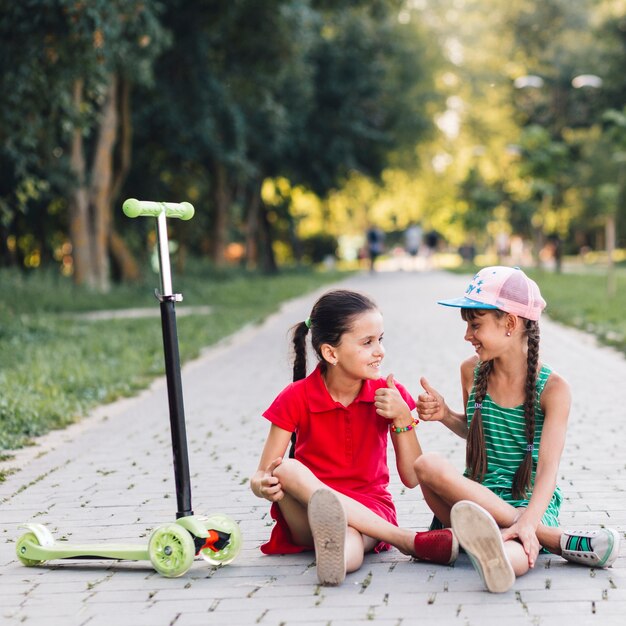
(550, 538)
(517, 557)
(357, 545)
(295, 514)
(299, 484)
(443, 486)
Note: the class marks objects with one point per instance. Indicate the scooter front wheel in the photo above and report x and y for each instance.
(229, 552)
(21, 548)
(171, 550)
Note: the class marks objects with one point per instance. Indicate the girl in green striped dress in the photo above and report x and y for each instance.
(505, 506)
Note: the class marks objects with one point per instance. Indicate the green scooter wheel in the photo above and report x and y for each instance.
(171, 550)
(228, 553)
(20, 549)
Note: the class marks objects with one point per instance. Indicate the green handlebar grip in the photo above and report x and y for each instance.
(139, 208)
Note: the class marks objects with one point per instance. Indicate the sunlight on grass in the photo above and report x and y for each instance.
(67, 365)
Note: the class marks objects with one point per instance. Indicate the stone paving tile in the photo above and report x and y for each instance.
(109, 478)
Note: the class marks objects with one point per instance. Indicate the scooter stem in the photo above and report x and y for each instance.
(167, 298)
(167, 301)
(164, 256)
(177, 410)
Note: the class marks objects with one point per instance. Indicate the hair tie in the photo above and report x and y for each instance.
(478, 405)
(307, 322)
(530, 447)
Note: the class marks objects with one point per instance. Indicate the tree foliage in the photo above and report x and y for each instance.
(526, 145)
(194, 100)
(351, 111)
(63, 66)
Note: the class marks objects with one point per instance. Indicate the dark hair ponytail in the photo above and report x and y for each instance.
(476, 453)
(523, 475)
(298, 335)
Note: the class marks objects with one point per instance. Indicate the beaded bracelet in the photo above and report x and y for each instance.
(404, 429)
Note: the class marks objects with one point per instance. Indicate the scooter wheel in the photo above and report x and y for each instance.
(171, 550)
(228, 553)
(21, 547)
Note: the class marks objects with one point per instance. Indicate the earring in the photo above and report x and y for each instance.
(508, 334)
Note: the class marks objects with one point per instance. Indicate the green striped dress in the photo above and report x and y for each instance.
(505, 440)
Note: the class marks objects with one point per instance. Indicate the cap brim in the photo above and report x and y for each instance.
(466, 303)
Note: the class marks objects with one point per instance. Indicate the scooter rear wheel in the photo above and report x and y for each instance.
(229, 552)
(20, 549)
(171, 550)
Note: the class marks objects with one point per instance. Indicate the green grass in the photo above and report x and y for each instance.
(578, 298)
(55, 367)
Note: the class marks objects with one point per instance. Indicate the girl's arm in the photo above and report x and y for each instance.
(407, 448)
(391, 405)
(432, 407)
(555, 403)
(263, 483)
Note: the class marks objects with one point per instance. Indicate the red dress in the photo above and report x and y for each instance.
(345, 447)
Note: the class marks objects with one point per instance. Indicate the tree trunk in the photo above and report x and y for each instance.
(125, 138)
(124, 259)
(296, 244)
(101, 187)
(79, 202)
(268, 259)
(537, 222)
(252, 227)
(611, 284)
(221, 201)
(7, 251)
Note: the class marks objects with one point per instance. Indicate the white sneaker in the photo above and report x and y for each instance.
(595, 548)
(480, 537)
(328, 523)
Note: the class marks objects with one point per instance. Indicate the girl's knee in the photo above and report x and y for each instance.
(288, 470)
(296, 478)
(427, 466)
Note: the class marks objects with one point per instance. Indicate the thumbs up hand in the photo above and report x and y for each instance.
(389, 403)
(430, 404)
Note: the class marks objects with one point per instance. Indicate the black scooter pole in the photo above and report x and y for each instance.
(177, 410)
(167, 298)
(167, 301)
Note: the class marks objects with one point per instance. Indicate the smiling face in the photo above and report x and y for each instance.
(486, 331)
(360, 351)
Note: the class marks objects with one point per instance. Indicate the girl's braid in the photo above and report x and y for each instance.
(476, 454)
(523, 475)
(298, 335)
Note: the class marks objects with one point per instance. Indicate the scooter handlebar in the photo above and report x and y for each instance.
(146, 208)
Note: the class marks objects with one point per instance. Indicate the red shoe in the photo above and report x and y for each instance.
(436, 546)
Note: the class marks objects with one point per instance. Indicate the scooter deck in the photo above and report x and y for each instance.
(62, 550)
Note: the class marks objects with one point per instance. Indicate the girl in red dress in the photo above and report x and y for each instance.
(332, 495)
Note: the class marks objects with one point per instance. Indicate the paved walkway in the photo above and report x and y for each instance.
(109, 478)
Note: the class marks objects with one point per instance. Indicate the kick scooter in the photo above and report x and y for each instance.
(172, 547)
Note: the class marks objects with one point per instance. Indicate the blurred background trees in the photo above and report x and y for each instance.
(293, 124)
